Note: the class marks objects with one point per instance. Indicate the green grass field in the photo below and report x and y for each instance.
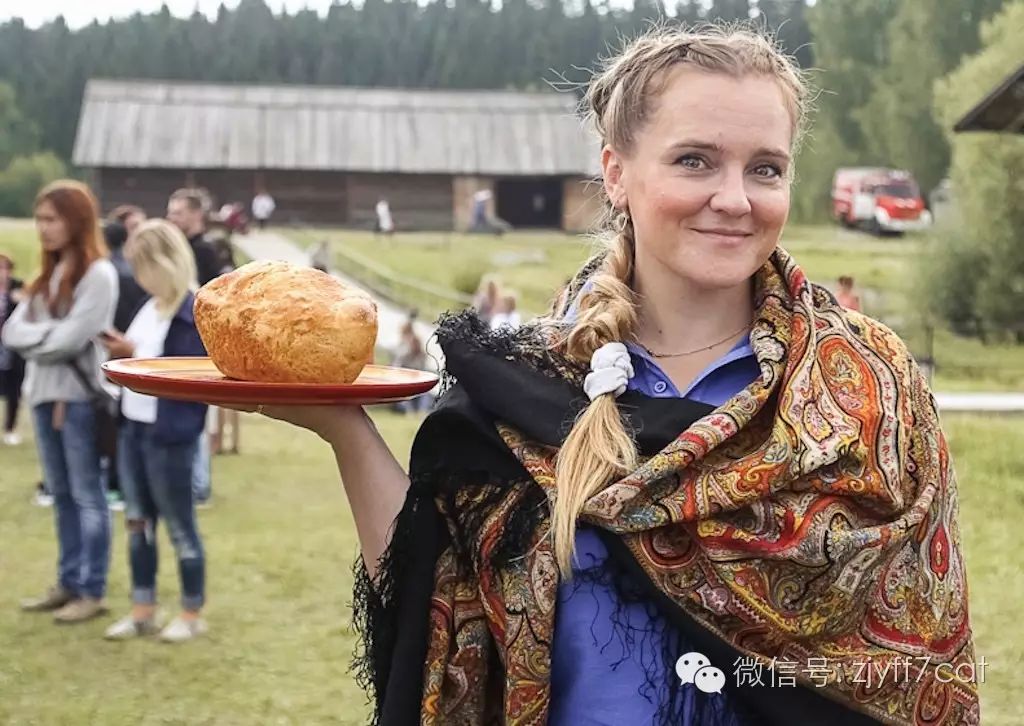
(280, 542)
(540, 262)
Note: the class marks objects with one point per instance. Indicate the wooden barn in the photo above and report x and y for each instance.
(1001, 110)
(328, 154)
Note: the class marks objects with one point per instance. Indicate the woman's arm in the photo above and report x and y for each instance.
(21, 334)
(92, 310)
(374, 481)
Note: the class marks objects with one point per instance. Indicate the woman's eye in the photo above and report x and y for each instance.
(768, 171)
(689, 161)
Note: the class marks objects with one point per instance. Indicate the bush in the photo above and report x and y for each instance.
(467, 278)
(988, 179)
(951, 273)
(22, 180)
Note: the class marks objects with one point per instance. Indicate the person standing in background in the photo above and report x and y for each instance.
(12, 365)
(130, 296)
(67, 306)
(320, 256)
(128, 215)
(158, 438)
(505, 314)
(187, 210)
(846, 295)
(263, 206)
(385, 224)
(485, 300)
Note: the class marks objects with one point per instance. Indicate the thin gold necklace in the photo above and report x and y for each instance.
(698, 350)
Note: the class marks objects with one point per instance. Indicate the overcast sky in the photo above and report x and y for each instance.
(82, 12)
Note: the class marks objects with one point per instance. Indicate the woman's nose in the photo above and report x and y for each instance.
(731, 195)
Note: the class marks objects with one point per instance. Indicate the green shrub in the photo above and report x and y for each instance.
(467, 278)
(22, 180)
(985, 271)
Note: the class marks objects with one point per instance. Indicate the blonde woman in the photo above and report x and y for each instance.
(486, 299)
(700, 492)
(158, 438)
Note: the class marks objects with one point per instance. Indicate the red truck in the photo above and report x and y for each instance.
(879, 200)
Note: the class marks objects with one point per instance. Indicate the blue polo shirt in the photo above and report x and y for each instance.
(596, 678)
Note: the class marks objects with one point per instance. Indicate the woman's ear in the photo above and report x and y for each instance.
(611, 167)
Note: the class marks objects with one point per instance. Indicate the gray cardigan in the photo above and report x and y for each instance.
(50, 343)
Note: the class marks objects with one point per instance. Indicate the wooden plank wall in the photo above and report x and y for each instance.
(308, 197)
(418, 201)
(147, 188)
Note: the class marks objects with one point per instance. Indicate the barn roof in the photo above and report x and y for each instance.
(1000, 110)
(147, 124)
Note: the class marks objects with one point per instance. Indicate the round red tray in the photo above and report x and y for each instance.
(197, 379)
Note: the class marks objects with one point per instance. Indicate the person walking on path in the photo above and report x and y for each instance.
(159, 438)
(67, 307)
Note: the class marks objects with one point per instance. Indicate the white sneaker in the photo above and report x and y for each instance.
(128, 627)
(179, 630)
(41, 499)
(12, 438)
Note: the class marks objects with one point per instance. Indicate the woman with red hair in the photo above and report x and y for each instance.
(66, 308)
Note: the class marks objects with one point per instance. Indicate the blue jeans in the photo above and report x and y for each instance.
(71, 465)
(156, 481)
(202, 487)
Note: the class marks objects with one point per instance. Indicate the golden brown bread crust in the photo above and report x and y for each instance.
(276, 322)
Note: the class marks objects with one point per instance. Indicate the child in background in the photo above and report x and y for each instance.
(506, 314)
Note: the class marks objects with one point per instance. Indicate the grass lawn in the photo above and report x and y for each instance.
(18, 240)
(280, 542)
(537, 263)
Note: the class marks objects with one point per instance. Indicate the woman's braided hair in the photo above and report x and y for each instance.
(618, 102)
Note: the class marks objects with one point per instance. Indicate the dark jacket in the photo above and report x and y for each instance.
(208, 260)
(178, 422)
(9, 360)
(130, 296)
(15, 284)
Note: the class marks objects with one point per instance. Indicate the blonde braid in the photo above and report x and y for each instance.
(599, 448)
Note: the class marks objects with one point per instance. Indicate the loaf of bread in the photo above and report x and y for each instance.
(282, 323)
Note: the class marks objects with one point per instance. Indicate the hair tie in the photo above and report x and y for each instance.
(610, 371)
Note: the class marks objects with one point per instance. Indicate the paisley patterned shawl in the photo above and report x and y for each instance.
(812, 519)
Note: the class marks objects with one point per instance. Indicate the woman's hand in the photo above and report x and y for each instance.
(116, 344)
